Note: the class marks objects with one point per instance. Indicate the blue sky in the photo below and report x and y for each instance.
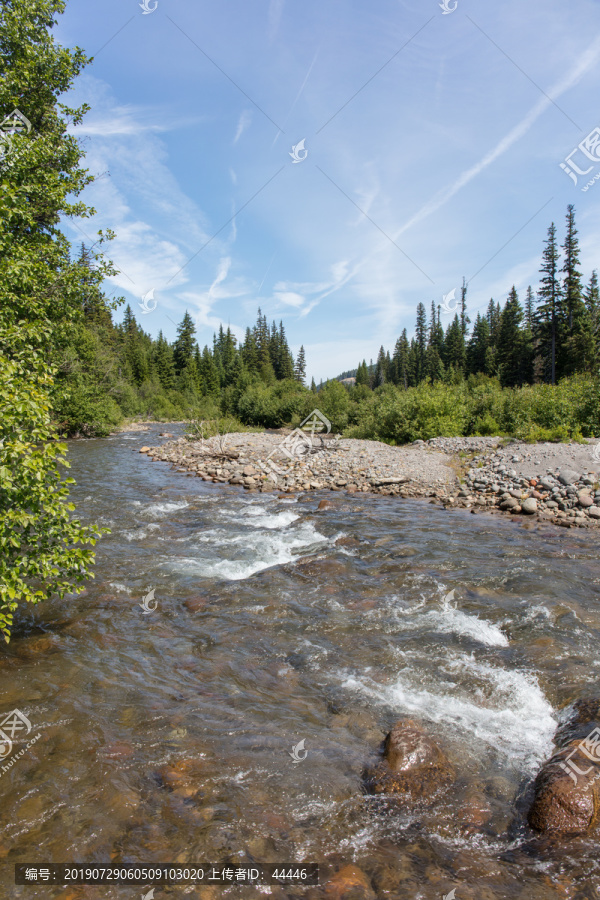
(432, 151)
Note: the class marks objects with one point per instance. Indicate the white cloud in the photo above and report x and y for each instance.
(584, 64)
(201, 303)
(243, 123)
(275, 11)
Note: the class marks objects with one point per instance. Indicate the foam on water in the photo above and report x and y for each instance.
(260, 518)
(163, 509)
(492, 706)
(452, 620)
(141, 533)
(448, 620)
(261, 550)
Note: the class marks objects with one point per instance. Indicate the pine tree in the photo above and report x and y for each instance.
(380, 369)
(300, 367)
(436, 330)
(249, 352)
(228, 354)
(530, 308)
(454, 347)
(209, 375)
(576, 344)
(572, 290)
(477, 348)
(183, 349)
(163, 362)
(284, 367)
(493, 317)
(547, 317)
(421, 342)
(514, 358)
(464, 319)
(362, 374)
(400, 361)
(592, 305)
(434, 367)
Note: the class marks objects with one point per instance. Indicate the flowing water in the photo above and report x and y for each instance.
(167, 736)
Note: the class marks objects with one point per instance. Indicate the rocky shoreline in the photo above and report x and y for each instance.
(554, 483)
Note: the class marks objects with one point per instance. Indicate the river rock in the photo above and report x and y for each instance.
(350, 883)
(412, 764)
(594, 512)
(529, 506)
(144, 449)
(568, 476)
(184, 776)
(325, 504)
(585, 500)
(195, 603)
(380, 482)
(565, 801)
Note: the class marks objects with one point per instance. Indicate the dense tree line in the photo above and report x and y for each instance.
(553, 334)
(122, 365)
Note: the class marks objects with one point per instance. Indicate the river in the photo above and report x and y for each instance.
(168, 736)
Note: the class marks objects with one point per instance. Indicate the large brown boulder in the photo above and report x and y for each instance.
(567, 800)
(412, 764)
(567, 789)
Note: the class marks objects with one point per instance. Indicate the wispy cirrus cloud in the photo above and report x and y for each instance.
(244, 122)
(583, 65)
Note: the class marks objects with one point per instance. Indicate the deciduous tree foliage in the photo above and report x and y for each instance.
(42, 292)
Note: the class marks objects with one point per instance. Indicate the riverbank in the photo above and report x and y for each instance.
(556, 483)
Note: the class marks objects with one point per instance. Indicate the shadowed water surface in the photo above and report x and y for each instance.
(167, 736)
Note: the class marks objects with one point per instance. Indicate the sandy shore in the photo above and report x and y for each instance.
(559, 483)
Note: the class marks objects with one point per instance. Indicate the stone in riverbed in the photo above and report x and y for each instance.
(412, 764)
(594, 512)
(379, 482)
(350, 883)
(144, 449)
(566, 803)
(195, 603)
(529, 506)
(568, 476)
(585, 500)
